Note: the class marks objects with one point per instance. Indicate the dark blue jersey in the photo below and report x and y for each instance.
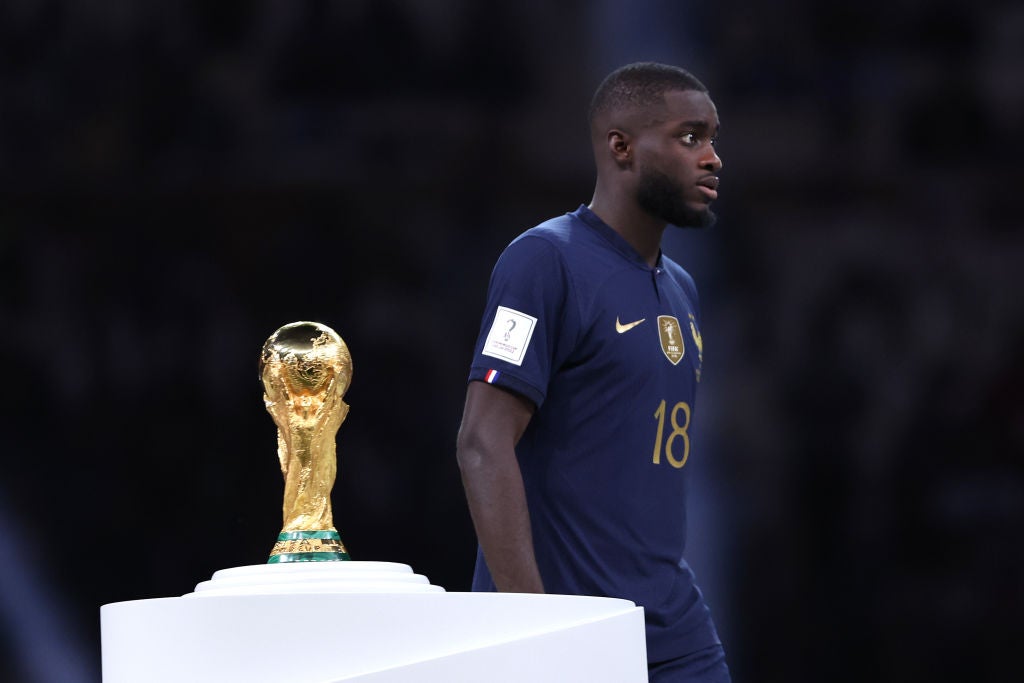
(609, 350)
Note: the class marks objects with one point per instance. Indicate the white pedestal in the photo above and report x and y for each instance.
(367, 622)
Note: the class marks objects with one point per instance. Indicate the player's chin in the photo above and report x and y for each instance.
(695, 215)
(705, 219)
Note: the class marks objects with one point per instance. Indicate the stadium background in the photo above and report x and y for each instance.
(180, 179)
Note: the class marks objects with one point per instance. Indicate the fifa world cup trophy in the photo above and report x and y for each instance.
(306, 369)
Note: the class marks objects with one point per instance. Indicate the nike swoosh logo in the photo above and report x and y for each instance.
(620, 328)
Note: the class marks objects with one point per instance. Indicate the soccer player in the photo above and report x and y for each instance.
(575, 442)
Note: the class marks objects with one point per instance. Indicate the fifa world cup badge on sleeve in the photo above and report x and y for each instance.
(306, 369)
(510, 335)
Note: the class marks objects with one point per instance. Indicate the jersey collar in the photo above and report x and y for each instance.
(620, 244)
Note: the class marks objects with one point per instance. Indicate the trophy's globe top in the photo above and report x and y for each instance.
(306, 356)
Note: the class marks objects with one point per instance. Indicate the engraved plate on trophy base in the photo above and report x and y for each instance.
(308, 546)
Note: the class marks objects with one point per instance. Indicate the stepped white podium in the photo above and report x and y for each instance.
(367, 622)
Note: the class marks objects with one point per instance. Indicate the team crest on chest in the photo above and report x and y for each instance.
(671, 337)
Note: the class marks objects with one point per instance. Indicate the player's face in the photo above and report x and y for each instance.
(677, 162)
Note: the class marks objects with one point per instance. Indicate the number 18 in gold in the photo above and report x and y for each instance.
(678, 431)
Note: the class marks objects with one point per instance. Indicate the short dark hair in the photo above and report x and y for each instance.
(640, 84)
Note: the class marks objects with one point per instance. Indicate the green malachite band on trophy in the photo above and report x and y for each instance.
(308, 557)
(321, 545)
(330, 534)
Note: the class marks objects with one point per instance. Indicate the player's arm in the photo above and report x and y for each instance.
(492, 423)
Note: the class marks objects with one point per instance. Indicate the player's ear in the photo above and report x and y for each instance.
(620, 147)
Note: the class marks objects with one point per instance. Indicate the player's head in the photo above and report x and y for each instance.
(640, 85)
(653, 128)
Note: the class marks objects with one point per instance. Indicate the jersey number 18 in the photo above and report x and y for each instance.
(678, 431)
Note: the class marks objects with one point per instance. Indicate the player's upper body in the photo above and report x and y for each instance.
(575, 435)
(609, 351)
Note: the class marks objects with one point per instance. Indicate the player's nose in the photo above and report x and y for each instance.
(711, 161)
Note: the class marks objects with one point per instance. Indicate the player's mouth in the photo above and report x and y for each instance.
(708, 185)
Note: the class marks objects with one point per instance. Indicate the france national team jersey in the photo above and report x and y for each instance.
(609, 349)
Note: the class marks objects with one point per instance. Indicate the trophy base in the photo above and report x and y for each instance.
(308, 546)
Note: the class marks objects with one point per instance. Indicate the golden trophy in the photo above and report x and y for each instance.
(306, 369)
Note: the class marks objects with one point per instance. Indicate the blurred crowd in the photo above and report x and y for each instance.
(180, 179)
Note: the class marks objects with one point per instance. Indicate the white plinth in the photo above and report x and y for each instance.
(316, 577)
(367, 622)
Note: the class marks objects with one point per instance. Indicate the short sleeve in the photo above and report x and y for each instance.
(525, 319)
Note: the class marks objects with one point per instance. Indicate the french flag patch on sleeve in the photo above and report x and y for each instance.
(491, 376)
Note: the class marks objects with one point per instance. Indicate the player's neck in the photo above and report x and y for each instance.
(642, 231)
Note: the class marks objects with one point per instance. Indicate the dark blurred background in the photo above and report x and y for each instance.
(177, 180)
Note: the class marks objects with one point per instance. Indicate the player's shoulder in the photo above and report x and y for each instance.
(571, 243)
(551, 243)
(556, 233)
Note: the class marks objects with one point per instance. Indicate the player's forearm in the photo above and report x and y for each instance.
(497, 504)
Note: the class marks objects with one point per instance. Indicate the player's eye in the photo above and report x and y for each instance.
(688, 138)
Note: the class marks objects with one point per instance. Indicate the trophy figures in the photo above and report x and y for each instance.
(306, 370)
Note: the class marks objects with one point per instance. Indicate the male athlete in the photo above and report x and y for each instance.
(575, 440)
